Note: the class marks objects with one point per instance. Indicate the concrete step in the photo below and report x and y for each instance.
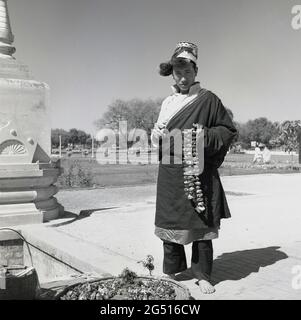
(17, 219)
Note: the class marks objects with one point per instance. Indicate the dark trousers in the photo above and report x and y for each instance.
(201, 259)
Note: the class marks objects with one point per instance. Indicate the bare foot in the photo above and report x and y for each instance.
(206, 287)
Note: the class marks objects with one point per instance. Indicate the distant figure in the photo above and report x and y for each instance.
(238, 149)
(266, 155)
(106, 153)
(258, 157)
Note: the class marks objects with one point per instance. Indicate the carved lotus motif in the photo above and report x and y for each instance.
(12, 147)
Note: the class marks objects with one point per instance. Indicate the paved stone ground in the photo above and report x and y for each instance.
(254, 255)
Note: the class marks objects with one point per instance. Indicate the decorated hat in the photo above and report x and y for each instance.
(186, 50)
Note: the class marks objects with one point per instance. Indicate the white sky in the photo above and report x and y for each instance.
(94, 51)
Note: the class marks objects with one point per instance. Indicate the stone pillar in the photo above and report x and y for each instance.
(27, 174)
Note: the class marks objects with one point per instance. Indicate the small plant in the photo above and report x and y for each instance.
(128, 276)
(75, 175)
(148, 263)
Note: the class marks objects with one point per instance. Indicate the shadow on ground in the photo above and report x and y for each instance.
(75, 217)
(239, 264)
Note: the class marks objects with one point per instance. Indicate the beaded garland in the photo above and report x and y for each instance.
(192, 183)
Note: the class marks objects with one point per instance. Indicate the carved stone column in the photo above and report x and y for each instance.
(27, 174)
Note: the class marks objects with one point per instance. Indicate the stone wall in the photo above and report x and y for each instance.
(11, 252)
(47, 266)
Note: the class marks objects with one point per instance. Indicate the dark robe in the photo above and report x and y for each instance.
(174, 211)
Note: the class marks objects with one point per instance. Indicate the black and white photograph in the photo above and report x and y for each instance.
(150, 151)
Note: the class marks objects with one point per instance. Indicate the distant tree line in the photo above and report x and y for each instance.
(143, 113)
(273, 134)
(261, 130)
(72, 137)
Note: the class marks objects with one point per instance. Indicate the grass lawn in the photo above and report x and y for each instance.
(113, 175)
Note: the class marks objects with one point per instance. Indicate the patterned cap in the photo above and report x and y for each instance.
(186, 50)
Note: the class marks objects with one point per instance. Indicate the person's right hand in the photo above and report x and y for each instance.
(157, 132)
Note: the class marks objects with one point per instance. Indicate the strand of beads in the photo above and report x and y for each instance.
(192, 183)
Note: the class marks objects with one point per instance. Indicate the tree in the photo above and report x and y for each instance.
(260, 130)
(55, 138)
(138, 113)
(289, 135)
(299, 141)
(74, 136)
(83, 137)
(144, 113)
(117, 111)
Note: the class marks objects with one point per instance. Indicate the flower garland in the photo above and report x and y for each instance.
(192, 183)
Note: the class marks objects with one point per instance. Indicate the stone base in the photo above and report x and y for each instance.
(53, 214)
(27, 193)
(18, 214)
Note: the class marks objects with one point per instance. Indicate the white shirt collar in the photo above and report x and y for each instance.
(194, 89)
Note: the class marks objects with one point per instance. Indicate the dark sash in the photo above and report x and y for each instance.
(200, 95)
